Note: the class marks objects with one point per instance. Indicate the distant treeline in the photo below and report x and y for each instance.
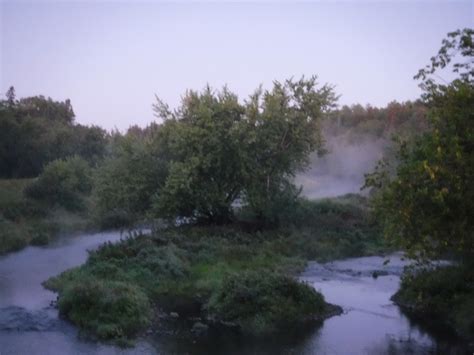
(405, 119)
(37, 130)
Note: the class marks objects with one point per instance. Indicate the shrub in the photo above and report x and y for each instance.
(109, 309)
(63, 183)
(40, 238)
(126, 181)
(11, 237)
(261, 302)
(13, 205)
(444, 293)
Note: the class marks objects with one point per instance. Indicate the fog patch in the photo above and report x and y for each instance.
(342, 169)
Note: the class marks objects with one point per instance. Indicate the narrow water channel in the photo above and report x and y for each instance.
(370, 324)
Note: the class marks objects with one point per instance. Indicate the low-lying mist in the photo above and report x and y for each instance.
(342, 169)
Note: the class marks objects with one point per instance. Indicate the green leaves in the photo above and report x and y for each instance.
(63, 183)
(127, 180)
(205, 174)
(222, 150)
(34, 131)
(285, 128)
(458, 45)
(214, 151)
(427, 205)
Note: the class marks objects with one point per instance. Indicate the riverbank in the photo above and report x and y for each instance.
(218, 276)
(444, 296)
(24, 221)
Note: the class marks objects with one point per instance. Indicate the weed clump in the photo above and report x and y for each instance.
(108, 309)
(264, 302)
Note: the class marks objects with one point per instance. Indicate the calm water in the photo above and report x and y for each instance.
(371, 323)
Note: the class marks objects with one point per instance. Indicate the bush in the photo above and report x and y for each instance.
(11, 237)
(445, 294)
(109, 309)
(126, 181)
(63, 183)
(276, 210)
(263, 302)
(40, 238)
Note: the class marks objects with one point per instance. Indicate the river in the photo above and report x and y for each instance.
(370, 324)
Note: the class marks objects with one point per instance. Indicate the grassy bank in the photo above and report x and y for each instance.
(228, 275)
(24, 221)
(444, 296)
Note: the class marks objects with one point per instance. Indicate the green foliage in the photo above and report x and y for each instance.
(35, 131)
(427, 204)
(127, 180)
(280, 206)
(283, 128)
(206, 172)
(444, 294)
(108, 309)
(357, 123)
(19, 217)
(330, 229)
(202, 270)
(12, 238)
(63, 183)
(33, 211)
(25, 221)
(222, 150)
(459, 46)
(264, 302)
(13, 204)
(41, 237)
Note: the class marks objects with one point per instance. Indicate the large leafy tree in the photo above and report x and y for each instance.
(206, 173)
(222, 150)
(283, 128)
(427, 204)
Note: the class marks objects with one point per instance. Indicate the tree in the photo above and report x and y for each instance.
(283, 128)
(35, 131)
(222, 150)
(427, 204)
(459, 45)
(128, 178)
(207, 169)
(11, 96)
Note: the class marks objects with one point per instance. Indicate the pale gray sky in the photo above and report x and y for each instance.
(110, 58)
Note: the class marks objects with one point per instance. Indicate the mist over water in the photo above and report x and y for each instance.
(342, 169)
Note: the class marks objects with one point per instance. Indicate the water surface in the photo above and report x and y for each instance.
(370, 324)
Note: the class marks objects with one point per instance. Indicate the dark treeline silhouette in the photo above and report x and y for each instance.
(37, 130)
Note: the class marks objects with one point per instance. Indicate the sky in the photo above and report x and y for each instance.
(111, 58)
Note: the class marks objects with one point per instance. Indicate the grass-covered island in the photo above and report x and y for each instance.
(228, 277)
